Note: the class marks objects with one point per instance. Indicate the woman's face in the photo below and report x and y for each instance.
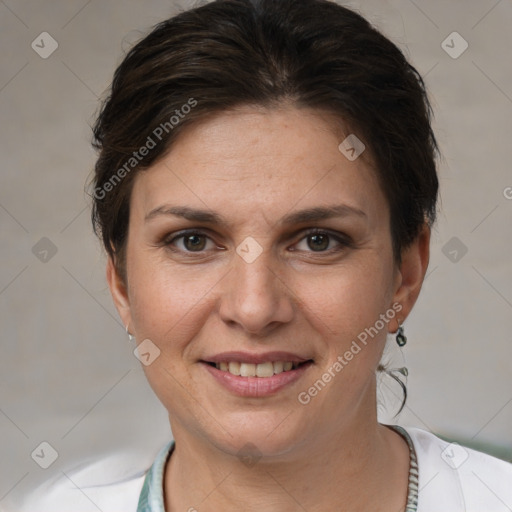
(256, 240)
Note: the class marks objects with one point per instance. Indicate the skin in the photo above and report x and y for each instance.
(254, 166)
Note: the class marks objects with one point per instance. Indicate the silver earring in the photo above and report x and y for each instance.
(130, 336)
(401, 339)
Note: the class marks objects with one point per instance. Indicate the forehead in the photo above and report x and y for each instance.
(252, 158)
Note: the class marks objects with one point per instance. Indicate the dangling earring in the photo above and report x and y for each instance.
(401, 339)
(130, 336)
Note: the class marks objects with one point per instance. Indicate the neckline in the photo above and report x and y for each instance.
(151, 497)
(412, 487)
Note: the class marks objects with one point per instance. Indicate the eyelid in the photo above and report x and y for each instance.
(343, 239)
(168, 240)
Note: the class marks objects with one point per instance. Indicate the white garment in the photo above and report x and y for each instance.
(451, 479)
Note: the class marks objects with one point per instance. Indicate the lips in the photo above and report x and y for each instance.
(247, 357)
(267, 369)
(256, 375)
(256, 365)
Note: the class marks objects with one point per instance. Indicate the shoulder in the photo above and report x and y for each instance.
(110, 484)
(454, 478)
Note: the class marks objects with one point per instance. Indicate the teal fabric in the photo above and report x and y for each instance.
(151, 497)
(413, 487)
(152, 494)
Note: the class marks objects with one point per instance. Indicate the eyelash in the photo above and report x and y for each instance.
(344, 241)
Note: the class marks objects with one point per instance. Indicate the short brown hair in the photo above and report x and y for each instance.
(228, 53)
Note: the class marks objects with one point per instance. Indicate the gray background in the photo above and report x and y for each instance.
(67, 372)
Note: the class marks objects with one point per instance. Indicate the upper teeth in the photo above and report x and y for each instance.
(256, 370)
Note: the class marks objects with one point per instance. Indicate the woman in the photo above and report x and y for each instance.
(265, 189)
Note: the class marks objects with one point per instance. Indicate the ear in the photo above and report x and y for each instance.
(119, 293)
(411, 273)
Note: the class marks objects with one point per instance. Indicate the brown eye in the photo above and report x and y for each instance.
(321, 241)
(194, 242)
(318, 242)
(190, 242)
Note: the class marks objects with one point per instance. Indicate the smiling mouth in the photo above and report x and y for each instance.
(263, 370)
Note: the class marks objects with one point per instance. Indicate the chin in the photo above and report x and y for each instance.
(260, 433)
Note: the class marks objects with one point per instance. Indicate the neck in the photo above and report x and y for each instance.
(362, 466)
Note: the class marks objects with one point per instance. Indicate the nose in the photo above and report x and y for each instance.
(255, 297)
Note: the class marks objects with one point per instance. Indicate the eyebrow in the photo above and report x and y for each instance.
(299, 217)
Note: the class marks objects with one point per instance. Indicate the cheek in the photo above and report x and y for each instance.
(169, 306)
(172, 303)
(344, 311)
(350, 298)
(168, 302)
